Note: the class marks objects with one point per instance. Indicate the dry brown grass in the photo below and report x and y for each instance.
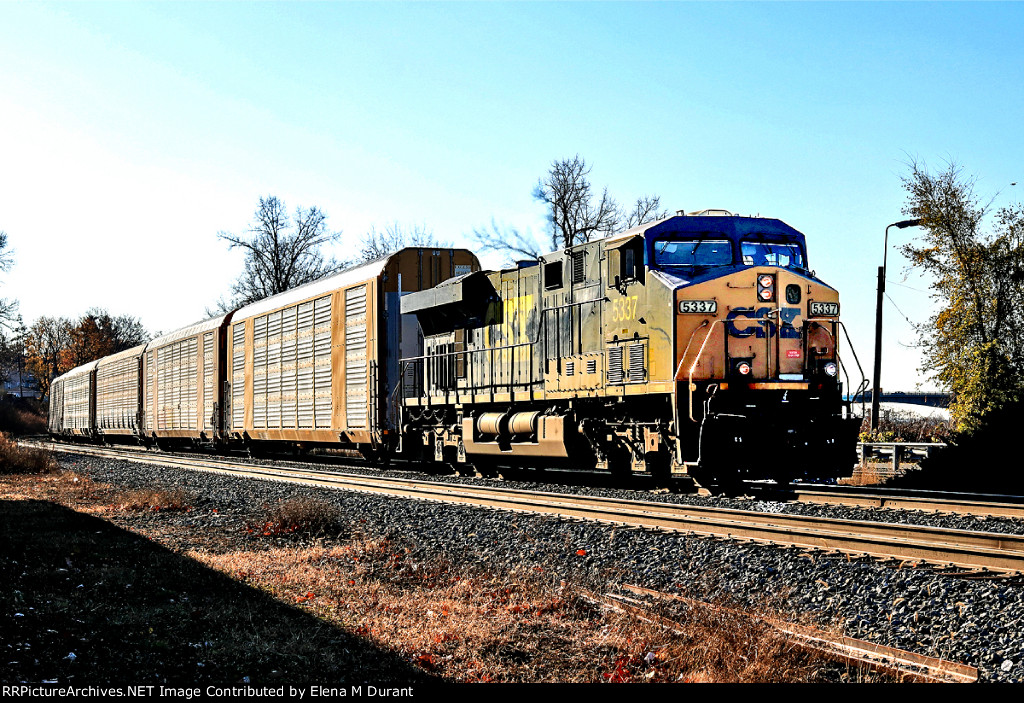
(301, 515)
(525, 626)
(895, 426)
(155, 499)
(15, 459)
(865, 476)
(22, 416)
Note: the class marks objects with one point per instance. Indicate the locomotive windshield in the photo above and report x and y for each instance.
(692, 253)
(785, 255)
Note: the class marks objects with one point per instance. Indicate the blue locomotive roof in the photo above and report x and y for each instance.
(734, 228)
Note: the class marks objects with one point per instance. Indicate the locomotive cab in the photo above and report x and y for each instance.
(758, 382)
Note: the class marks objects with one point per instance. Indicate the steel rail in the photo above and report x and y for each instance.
(959, 548)
(962, 506)
(955, 502)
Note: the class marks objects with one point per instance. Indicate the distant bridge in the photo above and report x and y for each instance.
(935, 400)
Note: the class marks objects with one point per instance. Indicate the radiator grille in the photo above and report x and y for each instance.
(636, 363)
(578, 274)
(615, 374)
(627, 366)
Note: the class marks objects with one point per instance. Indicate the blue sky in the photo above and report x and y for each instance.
(135, 132)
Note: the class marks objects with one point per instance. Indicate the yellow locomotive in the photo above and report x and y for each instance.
(698, 345)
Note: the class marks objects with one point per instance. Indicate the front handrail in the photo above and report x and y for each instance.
(693, 366)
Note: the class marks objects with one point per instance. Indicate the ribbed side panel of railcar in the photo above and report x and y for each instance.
(237, 390)
(182, 376)
(177, 388)
(78, 404)
(148, 399)
(357, 398)
(209, 382)
(118, 386)
(56, 420)
(291, 364)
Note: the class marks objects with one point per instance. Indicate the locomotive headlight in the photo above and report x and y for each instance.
(766, 287)
(743, 369)
(831, 368)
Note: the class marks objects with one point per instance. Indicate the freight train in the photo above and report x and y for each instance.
(699, 347)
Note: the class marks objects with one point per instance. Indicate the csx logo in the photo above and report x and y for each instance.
(763, 327)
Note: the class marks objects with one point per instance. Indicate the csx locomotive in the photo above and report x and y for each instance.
(698, 346)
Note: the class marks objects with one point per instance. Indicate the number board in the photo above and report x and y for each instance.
(702, 307)
(817, 309)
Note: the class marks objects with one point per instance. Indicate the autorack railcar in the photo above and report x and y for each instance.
(316, 365)
(319, 364)
(73, 402)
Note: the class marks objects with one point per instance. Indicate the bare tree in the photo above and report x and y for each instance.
(279, 255)
(9, 318)
(394, 237)
(647, 208)
(575, 213)
(515, 244)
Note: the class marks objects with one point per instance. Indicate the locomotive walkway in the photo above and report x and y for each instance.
(974, 553)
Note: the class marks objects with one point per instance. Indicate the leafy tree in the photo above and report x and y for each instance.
(394, 237)
(46, 350)
(98, 334)
(974, 343)
(55, 345)
(575, 213)
(280, 254)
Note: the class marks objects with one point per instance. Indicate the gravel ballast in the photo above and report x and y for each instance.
(980, 623)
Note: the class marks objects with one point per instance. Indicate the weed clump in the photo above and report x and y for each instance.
(302, 515)
(155, 499)
(15, 459)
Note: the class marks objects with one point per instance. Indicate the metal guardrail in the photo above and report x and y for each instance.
(894, 453)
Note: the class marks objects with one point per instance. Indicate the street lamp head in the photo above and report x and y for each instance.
(908, 223)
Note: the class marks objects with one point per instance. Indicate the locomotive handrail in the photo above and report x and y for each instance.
(471, 386)
(835, 344)
(862, 386)
(693, 366)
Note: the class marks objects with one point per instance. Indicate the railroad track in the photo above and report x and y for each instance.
(975, 553)
(930, 501)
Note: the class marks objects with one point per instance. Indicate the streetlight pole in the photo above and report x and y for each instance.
(876, 389)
